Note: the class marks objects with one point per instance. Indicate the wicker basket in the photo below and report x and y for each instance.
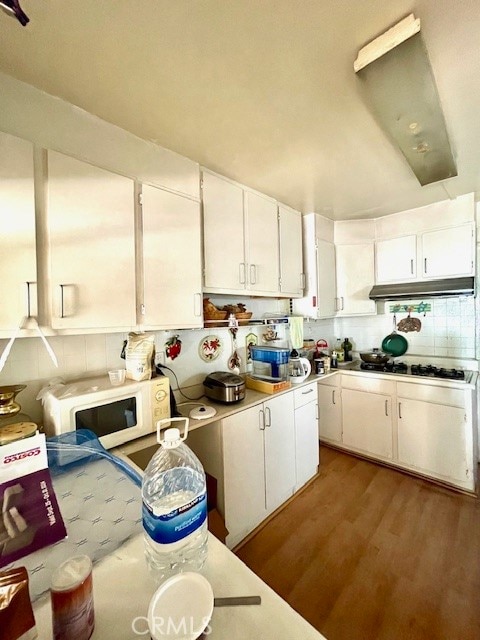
(244, 317)
(215, 318)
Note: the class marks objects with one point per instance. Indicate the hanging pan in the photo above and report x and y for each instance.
(394, 344)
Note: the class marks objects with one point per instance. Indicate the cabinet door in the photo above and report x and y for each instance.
(396, 259)
(329, 413)
(431, 438)
(355, 265)
(306, 443)
(367, 422)
(291, 260)
(261, 244)
(448, 252)
(171, 260)
(17, 220)
(92, 245)
(223, 234)
(326, 280)
(244, 473)
(279, 450)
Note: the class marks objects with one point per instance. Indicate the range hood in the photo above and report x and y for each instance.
(424, 289)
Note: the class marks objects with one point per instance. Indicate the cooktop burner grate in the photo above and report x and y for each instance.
(389, 367)
(437, 372)
(422, 370)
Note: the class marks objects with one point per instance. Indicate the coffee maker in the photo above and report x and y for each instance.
(298, 368)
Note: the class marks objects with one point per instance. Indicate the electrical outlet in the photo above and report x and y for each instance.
(160, 357)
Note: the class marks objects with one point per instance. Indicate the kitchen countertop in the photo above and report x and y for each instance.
(123, 588)
(252, 398)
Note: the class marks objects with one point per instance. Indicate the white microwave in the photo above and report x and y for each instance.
(116, 414)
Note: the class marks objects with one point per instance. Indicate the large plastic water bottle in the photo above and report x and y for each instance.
(174, 507)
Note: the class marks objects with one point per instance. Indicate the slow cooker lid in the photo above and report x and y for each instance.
(223, 379)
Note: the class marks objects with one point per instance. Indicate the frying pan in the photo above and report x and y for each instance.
(394, 343)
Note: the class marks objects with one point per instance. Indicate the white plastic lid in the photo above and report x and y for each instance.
(71, 573)
(181, 608)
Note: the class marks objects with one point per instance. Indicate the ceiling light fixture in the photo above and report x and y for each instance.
(13, 8)
(400, 86)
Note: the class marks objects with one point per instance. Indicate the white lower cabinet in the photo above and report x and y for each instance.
(330, 410)
(367, 422)
(306, 434)
(435, 433)
(260, 456)
(244, 473)
(259, 463)
(425, 428)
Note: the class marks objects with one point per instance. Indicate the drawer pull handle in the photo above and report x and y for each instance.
(268, 422)
(304, 393)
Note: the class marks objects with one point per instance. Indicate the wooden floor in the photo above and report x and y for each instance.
(367, 552)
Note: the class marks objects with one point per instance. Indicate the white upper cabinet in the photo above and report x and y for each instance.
(435, 241)
(18, 271)
(261, 244)
(243, 241)
(449, 252)
(223, 234)
(291, 261)
(90, 218)
(397, 259)
(319, 298)
(326, 279)
(170, 261)
(355, 268)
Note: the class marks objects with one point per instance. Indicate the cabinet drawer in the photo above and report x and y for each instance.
(430, 393)
(363, 383)
(304, 395)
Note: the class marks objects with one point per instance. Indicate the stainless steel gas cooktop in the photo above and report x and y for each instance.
(422, 370)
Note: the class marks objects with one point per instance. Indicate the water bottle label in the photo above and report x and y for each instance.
(179, 523)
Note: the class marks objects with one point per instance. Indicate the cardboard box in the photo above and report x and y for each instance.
(266, 387)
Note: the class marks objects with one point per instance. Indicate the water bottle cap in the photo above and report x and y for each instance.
(171, 436)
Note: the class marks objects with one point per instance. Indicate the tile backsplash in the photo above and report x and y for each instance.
(448, 330)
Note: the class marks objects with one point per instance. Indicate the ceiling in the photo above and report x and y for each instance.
(261, 91)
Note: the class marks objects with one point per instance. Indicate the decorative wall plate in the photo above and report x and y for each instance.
(210, 348)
